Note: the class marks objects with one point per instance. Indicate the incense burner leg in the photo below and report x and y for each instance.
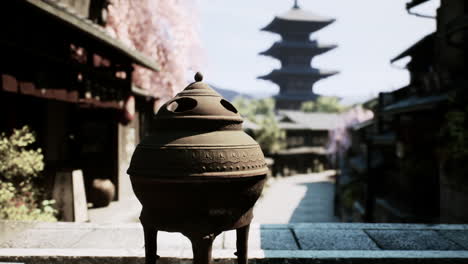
(151, 235)
(202, 246)
(242, 244)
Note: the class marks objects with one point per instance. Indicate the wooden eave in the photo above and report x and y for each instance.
(424, 47)
(93, 32)
(414, 3)
(413, 104)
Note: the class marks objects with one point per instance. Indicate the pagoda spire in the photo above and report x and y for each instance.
(296, 5)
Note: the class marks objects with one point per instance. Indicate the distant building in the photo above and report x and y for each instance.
(295, 50)
(306, 140)
(306, 129)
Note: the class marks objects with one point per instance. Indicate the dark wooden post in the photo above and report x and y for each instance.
(370, 196)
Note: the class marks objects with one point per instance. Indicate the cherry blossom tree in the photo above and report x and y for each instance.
(165, 30)
(340, 138)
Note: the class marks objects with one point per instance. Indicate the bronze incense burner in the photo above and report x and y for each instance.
(198, 174)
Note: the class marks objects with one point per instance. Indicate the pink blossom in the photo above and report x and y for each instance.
(165, 30)
(340, 138)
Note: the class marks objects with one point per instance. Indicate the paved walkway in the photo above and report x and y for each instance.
(305, 198)
(126, 210)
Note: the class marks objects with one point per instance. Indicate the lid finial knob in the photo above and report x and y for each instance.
(198, 77)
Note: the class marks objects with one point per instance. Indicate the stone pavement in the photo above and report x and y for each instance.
(303, 198)
(126, 210)
(298, 243)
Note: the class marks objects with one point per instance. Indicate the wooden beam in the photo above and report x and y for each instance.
(9, 83)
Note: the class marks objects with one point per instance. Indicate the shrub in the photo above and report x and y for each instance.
(20, 166)
(325, 104)
(270, 136)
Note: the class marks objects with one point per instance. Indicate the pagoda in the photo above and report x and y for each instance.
(295, 50)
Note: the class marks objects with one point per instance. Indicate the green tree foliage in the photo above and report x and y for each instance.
(324, 104)
(20, 198)
(262, 112)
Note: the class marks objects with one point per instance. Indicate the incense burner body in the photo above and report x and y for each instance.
(198, 173)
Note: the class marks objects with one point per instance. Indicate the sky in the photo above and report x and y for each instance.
(368, 33)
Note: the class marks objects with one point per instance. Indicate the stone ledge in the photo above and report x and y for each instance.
(348, 226)
(61, 225)
(83, 256)
(41, 243)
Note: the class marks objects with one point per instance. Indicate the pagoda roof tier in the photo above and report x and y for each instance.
(300, 73)
(309, 96)
(297, 20)
(285, 48)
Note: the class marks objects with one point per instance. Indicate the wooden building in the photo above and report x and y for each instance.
(306, 129)
(307, 137)
(414, 152)
(71, 82)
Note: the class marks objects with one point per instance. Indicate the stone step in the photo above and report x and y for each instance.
(284, 243)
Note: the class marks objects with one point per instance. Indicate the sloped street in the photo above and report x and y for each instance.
(303, 198)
